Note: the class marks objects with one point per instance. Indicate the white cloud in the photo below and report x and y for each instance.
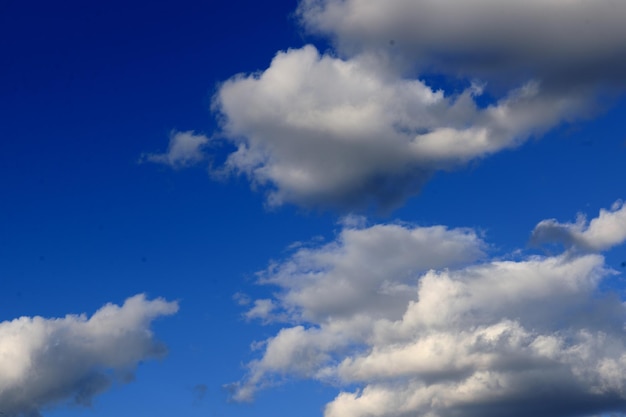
(424, 325)
(373, 266)
(603, 232)
(44, 362)
(262, 309)
(184, 149)
(563, 42)
(320, 130)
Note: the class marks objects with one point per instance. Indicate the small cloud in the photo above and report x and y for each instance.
(262, 310)
(353, 221)
(242, 299)
(184, 150)
(601, 233)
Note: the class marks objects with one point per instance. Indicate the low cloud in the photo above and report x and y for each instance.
(325, 131)
(424, 324)
(184, 150)
(566, 44)
(601, 233)
(47, 362)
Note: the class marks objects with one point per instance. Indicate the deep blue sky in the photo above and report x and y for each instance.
(87, 87)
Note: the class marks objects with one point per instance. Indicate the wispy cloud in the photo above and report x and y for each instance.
(185, 149)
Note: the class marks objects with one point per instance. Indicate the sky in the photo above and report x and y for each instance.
(333, 208)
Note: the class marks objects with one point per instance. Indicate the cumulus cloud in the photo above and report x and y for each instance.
(44, 362)
(601, 233)
(424, 324)
(185, 149)
(321, 130)
(564, 43)
(372, 266)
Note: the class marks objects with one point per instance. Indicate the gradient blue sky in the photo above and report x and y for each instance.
(87, 88)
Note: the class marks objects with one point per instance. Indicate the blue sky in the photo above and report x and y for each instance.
(382, 150)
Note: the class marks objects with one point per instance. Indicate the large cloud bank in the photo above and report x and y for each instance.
(44, 362)
(357, 126)
(412, 321)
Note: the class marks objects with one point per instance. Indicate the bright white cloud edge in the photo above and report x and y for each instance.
(47, 362)
(426, 325)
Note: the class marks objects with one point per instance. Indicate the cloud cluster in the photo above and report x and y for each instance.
(357, 126)
(185, 149)
(422, 323)
(44, 362)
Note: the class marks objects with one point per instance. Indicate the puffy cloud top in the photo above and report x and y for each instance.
(327, 131)
(374, 266)
(47, 361)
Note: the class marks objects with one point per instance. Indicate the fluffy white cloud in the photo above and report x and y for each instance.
(185, 149)
(563, 42)
(44, 362)
(373, 266)
(321, 130)
(603, 232)
(426, 326)
(358, 126)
